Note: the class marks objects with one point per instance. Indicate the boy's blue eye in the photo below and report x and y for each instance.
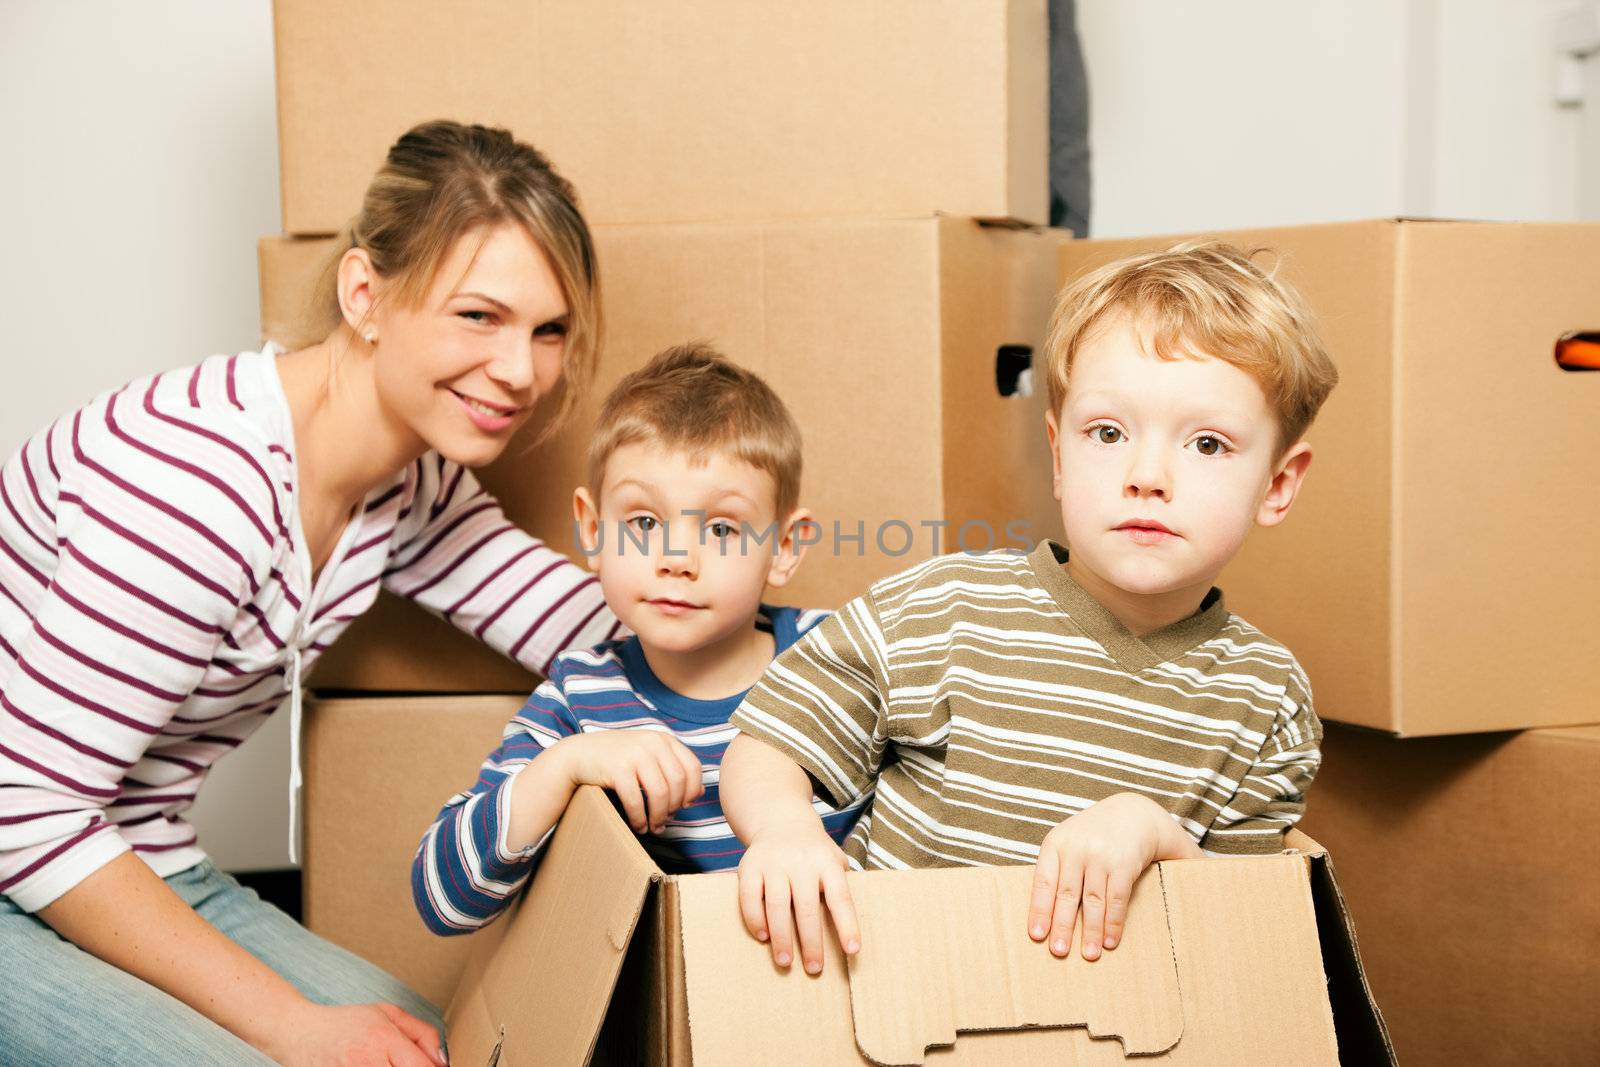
(1106, 435)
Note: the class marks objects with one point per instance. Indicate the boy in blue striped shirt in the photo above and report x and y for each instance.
(690, 513)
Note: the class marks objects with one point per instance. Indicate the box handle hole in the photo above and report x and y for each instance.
(1013, 370)
(1579, 350)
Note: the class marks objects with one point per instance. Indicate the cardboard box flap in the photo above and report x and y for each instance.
(575, 921)
(925, 926)
(1249, 960)
(1241, 966)
(1301, 842)
(729, 975)
(1363, 1035)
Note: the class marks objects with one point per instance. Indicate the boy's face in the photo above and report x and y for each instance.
(1161, 468)
(674, 545)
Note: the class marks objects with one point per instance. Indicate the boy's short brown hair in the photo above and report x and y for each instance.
(1213, 297)
(693, 398)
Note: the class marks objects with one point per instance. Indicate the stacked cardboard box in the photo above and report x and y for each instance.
(716, 110)
(841, 196)
(1469, 866)
(377, 772)
(1437, 578)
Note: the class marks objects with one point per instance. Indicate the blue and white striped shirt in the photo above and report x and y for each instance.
(463, 874)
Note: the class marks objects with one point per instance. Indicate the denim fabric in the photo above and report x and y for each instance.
(61, 1005)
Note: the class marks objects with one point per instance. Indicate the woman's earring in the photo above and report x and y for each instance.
(371, 337)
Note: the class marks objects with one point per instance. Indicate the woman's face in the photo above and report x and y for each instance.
(464, 368)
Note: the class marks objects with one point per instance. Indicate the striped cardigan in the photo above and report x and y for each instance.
(156, 598)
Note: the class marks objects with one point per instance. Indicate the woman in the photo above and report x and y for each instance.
(176, 554)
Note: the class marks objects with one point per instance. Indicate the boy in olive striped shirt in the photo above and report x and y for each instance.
(1091, 707)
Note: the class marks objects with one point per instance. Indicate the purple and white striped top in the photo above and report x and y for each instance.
(155, 587)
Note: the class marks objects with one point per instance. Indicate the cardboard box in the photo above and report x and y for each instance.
(888, 340)
(947, 973)
(1439, 572)
(684, 112)
(664, 952)
(1469, 866)
(377, 771)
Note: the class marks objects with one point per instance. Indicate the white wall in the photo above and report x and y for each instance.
(140, 164)
(1243, 112)
(1260, 113)
(1502, 149)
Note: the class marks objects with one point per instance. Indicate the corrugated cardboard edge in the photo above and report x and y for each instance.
(1399, 248)
(670, 1014)
(497, 1011)
(646, 1024)
(1363, 1034)
(1103, 1012)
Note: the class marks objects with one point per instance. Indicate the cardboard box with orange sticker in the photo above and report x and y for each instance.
(1439, 573)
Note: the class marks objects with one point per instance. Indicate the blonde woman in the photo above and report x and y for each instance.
(176, 554)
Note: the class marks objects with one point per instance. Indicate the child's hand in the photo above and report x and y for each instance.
(652, 773)
(1089, 863)
(794, 866)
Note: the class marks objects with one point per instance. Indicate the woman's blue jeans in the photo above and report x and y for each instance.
(60, 1005)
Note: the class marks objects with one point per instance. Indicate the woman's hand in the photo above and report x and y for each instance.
(652, 773)
(358, 1035)
(126, 915)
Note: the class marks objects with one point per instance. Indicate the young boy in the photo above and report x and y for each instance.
(1091, 707)
(690, 512)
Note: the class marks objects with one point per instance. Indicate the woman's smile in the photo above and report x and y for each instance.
(487, 416)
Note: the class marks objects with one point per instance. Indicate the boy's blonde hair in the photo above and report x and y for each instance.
(1210, 296)
(692, 398)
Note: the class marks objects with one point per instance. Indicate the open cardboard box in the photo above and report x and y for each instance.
(1439, 573)
(1225, 961)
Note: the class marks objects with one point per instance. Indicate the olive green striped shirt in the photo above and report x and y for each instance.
(986, 698)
